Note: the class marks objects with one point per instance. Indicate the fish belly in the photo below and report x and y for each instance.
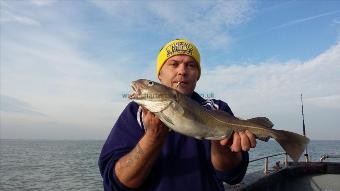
(177, 122)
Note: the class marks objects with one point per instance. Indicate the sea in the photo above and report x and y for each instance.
(72, 165)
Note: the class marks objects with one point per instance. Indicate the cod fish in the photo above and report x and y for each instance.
(186, 116)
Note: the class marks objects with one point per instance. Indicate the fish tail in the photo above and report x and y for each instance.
(293, 143)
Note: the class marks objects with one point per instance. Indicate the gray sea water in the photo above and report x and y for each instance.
(72, 165)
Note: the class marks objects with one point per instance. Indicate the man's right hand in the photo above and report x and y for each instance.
(132, 169)
(155, 128)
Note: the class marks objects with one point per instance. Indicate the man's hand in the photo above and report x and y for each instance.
(133, 168)
(240, 141)
(226, 154)
(154, 127)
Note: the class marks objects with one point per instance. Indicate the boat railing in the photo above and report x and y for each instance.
(326, 156)
(266, 160)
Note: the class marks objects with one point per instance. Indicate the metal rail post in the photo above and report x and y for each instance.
(266, 165)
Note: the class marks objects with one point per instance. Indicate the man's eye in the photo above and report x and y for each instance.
(173, 64)
(192, 65)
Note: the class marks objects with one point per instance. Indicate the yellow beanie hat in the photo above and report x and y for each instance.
(178, 47)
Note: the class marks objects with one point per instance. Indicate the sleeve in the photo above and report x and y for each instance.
(236, 174)
(123, 137)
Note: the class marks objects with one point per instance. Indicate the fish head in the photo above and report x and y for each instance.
(152, 95)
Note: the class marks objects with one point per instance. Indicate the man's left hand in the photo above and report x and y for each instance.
(240, 141)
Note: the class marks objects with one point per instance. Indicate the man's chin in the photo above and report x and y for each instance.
(185, 91)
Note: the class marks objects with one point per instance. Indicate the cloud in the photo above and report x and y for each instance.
(54, 76)
(73, 67)
(298, 21)
(48, 71)
(9, 15)
(273, 89)
(287, 24)
(204, 21)
(313, 76)
(331, 101)
(11, 104)
(43, 2)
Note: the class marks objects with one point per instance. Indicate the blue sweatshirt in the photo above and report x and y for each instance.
(183, 164)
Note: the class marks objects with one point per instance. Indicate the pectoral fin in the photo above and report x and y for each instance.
(158, 106)
(177, 107)
(165, 118)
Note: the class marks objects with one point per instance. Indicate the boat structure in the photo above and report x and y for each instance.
(305, 175)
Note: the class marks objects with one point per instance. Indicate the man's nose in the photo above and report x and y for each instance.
(182, 70)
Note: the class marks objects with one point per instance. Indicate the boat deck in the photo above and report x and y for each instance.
(313, 182)
(297, 176)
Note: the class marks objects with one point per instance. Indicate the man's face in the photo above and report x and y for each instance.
(180, 68)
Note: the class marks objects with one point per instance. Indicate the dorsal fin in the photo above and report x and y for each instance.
(263, 121)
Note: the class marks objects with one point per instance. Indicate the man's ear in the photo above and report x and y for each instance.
(159, 77)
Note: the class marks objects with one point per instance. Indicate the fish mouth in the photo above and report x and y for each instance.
(135, 92)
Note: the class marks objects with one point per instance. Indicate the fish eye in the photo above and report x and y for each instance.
(150, 83)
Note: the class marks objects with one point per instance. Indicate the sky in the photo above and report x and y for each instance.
(66, 66)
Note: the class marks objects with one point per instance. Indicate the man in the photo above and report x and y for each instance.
(141, 153)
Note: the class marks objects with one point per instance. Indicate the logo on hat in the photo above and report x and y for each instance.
(179, 48)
